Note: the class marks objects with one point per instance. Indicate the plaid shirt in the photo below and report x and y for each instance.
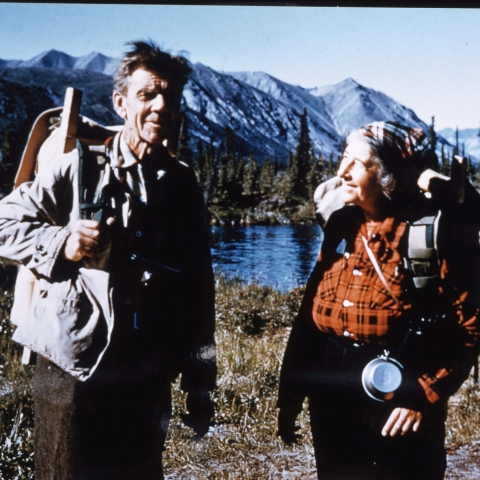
(351, 300)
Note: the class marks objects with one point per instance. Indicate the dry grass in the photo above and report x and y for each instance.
(252, 329)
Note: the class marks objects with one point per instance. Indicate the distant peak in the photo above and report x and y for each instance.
(349, 81)
(52, 51)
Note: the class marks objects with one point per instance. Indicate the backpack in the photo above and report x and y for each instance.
(48, 138)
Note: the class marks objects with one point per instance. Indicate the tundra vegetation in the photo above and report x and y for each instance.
(253, 323)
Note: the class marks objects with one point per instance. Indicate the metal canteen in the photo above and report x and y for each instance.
(381, 377)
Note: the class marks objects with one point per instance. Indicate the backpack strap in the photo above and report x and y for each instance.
(91, 173)
(422, 254)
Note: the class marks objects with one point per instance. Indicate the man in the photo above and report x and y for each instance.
(125, 304)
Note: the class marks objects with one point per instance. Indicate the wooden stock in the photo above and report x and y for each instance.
(71, 110)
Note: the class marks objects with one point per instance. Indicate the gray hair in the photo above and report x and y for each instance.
(148, 55)
(386, 180)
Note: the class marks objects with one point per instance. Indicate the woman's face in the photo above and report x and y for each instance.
(359, 175)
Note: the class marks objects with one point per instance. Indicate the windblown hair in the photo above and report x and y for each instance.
(148, 55)
(385, 178)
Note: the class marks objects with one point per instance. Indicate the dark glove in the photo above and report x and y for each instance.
(287, 417)
(200, 412)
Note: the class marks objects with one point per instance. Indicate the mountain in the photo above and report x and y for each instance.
(352, 105)
(94, 62)
(468, 139)
(262, 110)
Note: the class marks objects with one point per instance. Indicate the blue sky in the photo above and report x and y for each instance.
(427, 59)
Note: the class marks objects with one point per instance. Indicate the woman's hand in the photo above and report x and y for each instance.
(402, 420)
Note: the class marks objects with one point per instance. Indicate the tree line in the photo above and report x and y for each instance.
(234, 182)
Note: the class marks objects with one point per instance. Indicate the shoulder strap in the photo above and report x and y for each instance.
(422, 255)
(91, 171)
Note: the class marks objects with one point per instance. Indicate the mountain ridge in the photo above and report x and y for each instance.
(262, 110)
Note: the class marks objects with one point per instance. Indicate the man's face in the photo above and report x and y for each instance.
(359, 175)
(149, 107)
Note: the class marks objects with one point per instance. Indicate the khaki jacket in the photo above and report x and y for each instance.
(66, 320)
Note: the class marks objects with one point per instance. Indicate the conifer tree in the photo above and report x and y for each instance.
(275, 166)
(240, 174)
(8, 160)
(211, 173)
(200, 163)
(331, 165)
(228, 192)
(251, 176)
(301, 161)
(316, 175)
(432, 135)
(184, 154)
(471, 171)
(456, 149)
(267, 176)
(444, 164)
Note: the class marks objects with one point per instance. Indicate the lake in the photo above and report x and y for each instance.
(279, 256)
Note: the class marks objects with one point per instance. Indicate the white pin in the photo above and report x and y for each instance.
(160, 174)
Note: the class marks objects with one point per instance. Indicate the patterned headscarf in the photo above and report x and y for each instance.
(398, 146)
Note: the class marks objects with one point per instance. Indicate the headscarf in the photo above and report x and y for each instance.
(399, 147)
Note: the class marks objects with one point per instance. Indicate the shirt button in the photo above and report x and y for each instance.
(128, 301)
(346, 333)
(347, 255)
(357, 273)
(347, 303)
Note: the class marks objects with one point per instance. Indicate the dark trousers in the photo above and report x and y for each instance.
(346, 427)
(100, 429)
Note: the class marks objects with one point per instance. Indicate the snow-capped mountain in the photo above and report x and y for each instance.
(94, 62)
(352, 105)
(262, 110)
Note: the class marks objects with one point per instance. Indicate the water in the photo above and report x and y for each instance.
(279, 256)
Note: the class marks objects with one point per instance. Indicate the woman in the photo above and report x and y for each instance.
(361, 300)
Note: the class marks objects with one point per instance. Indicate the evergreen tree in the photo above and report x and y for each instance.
(275, 166)
(471, 170)
(251, 176)
(228, 189)
(432, 135)
(184, 154)
(456, 149)
(9, 160)
(211, 173)
(290, 160)
(445, 166)
(267, 176)
(316, 175)
(200, 163)
(301, 162)
(331, 165)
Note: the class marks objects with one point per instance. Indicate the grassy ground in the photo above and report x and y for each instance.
(252, 328)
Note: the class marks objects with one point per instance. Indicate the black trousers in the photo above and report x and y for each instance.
(104, 428)
(346, 427)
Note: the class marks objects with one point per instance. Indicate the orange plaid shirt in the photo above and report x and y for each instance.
(352, 301)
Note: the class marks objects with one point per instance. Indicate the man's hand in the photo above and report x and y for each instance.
(200, 412)
(84, 240)
(402, 420)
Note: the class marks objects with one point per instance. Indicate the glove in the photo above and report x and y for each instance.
(287, 417)
(200, 412)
